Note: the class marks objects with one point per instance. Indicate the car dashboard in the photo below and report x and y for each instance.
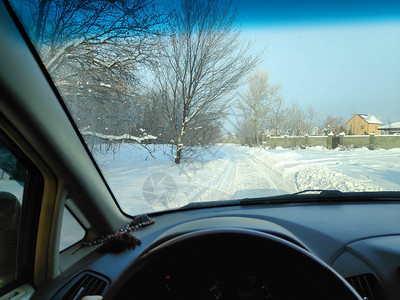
(359, 240)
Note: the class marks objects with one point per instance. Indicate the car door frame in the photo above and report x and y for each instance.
(36, 119)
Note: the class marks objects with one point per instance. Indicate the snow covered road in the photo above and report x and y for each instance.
(142, 183)
(240, 175)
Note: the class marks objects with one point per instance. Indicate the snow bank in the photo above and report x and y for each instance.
(357, 170)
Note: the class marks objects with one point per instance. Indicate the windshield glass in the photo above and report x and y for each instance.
(202, 100)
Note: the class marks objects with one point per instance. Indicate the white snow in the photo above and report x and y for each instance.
(357, 170)
(370, 119)
(394, 125)
(224, 171)
(122, 137)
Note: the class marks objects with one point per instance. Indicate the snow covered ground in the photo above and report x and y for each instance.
(143, 184)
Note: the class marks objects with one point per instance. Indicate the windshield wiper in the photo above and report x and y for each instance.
(301, 196)
(323, 196)
(306, 196)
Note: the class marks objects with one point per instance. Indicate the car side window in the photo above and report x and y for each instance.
(71, 231)
(12, 182)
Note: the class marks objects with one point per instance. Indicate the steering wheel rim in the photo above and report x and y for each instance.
(130, 282)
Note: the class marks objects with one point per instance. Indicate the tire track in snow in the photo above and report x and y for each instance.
(219, 187)
(243, 175)
(271, 176)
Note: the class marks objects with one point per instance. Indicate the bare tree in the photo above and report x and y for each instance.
(244, 131)
(257, 102)
(202, 61)
(276, 121)
(93, 50)
(299, 121)
(65, 30)
(334, 124)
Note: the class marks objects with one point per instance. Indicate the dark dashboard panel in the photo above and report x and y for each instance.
(354, 238)
(225, 264)
(382, 254)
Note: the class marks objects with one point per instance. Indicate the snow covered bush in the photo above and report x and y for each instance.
(345, 147)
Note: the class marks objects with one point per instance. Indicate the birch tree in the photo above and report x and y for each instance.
(299, 121)
(258, 101)
(203, 60)
(277, 119)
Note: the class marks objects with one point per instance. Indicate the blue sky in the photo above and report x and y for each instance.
(284, 12)
(341, 57)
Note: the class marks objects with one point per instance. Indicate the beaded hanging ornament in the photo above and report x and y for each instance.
(121, 239)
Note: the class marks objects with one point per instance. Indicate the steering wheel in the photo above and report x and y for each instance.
(229, 264)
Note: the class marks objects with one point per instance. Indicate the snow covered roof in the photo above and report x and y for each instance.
(394, 125)
(371, 119)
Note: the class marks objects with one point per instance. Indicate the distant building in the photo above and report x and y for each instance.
(361, 124)
(391, 128)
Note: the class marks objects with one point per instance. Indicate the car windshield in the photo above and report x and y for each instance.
(204, 100)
